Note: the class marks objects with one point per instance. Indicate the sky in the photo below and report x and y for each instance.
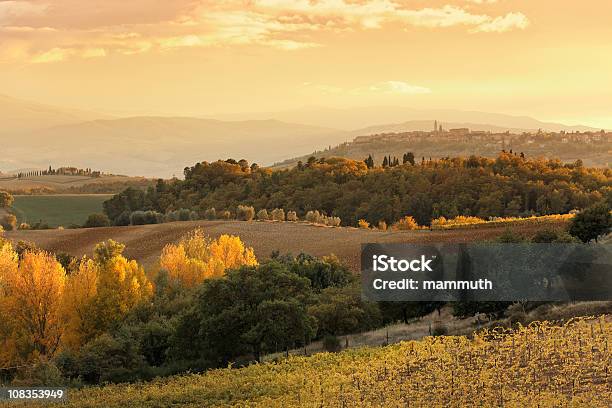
(544, 58)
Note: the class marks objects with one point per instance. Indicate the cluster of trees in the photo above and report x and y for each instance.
(208, 304)
(507, 186)
(62, 171)
(388, 161)
(211, 302)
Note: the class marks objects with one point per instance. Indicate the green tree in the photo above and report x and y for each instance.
(226, 320)
(97, 220)
(592, 223)
(341, 311)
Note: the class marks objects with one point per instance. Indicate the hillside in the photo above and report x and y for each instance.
(480, 140)
(145, 243)
(541, 365)
(163, 146)
(75, 184)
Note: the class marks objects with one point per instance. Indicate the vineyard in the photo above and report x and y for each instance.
(475, 222)
(542, 365)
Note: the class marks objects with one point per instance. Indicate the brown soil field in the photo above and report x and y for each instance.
(144, 243)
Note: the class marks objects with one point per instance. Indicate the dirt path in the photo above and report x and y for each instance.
(144, 243)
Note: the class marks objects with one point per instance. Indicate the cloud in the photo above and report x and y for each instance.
(56, 30)
(53, 55)
(381, 88)
(502, 24)
(399, 87)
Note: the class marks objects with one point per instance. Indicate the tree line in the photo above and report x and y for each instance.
(507, 186)
(61, 171)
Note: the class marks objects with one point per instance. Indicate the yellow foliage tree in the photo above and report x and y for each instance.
(32, 296)
(102, 292)
(8, 267)
(121, 285)
(78, 304)
(196, 257)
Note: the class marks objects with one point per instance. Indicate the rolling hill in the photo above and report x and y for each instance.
(145, 243)
(163, 146)
(36, 135)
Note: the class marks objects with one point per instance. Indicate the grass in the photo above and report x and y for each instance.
(58, 210)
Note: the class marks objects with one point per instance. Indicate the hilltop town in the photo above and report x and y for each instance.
(593, 148)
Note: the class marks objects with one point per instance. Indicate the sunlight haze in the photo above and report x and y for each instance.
(204, 58)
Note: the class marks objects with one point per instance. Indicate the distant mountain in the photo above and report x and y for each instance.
(17, 115)
(361, 117)
(163, 146)
(34, 135)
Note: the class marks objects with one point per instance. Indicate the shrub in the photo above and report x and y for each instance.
(278, 214)
(331, 344)
(182, 214)
(210, 214)
(363, 224)
(146, 217)
(332, 221)
(97, 220)
(123, 219)
(40, 225)
(225, 215)
(382, 225)
(313, 216)
(407, 223)
(9, 222)
(263, 214)
(6, 199)
(545, 236)
(510, 237)
(439, 329)
(41, 374)
(317, 218)
(292, 216)
(245, 213)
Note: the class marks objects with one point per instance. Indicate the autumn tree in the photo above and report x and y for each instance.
(78, 304)
(6, 199)
(9, 262)
(32, 295)
(197, 257)
(121, 285)
(102, 292)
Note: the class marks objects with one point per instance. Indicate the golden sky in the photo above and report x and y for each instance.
(550, 59)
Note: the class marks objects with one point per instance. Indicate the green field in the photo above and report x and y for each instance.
(58, 210)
